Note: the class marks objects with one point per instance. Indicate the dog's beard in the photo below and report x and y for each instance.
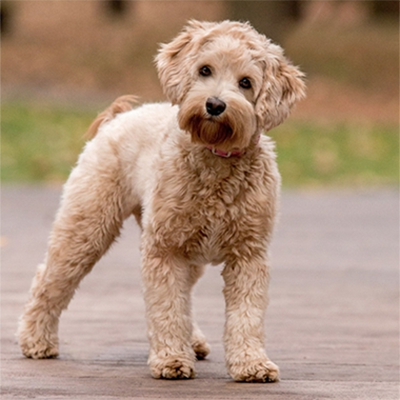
(208, 131)
(229, 131)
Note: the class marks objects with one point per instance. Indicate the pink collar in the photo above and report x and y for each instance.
(237, 153)
(224, 154)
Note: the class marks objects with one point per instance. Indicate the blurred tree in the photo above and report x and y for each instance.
(273, 18)
(385, 8)
(5, 17)
(117, 7)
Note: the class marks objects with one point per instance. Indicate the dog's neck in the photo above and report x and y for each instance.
(234, 153)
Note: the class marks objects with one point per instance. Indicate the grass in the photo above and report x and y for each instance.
(42, 143)
(340, 154)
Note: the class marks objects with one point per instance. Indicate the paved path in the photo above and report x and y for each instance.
(332, 324)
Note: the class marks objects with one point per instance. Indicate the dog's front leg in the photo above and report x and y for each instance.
(167, 295)
(246, 285)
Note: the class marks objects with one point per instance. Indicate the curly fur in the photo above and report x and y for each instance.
(194, 207)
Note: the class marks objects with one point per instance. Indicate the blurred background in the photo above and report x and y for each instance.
(64, 61)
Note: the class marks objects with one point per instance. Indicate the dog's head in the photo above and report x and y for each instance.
(229, 81)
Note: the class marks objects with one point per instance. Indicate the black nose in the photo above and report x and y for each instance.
(215, 106)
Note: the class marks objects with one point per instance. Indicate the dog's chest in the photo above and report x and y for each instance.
(202, 214)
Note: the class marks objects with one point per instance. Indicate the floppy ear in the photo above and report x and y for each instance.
(173, 62)
(283, 86)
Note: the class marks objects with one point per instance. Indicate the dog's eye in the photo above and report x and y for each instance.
(245, 83)
(205, 71)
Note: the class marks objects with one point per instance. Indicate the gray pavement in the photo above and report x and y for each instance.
(332, 324)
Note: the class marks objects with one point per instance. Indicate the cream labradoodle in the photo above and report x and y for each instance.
(201, 180)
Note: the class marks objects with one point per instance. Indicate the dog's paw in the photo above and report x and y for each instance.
(200, 345)
(172, 367)
(255, 371)
(35, 346)
(39, 349)
(201, 348)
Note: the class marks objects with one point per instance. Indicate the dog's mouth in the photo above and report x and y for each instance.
(208, 130)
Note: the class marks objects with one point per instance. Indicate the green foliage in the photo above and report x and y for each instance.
(337, 154)
(40, 143)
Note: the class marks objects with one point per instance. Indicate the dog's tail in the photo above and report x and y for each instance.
(120, 105)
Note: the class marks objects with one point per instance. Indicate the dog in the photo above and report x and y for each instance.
(202, 181)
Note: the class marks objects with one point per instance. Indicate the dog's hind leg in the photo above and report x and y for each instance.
(199, 342)
(89, 218)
